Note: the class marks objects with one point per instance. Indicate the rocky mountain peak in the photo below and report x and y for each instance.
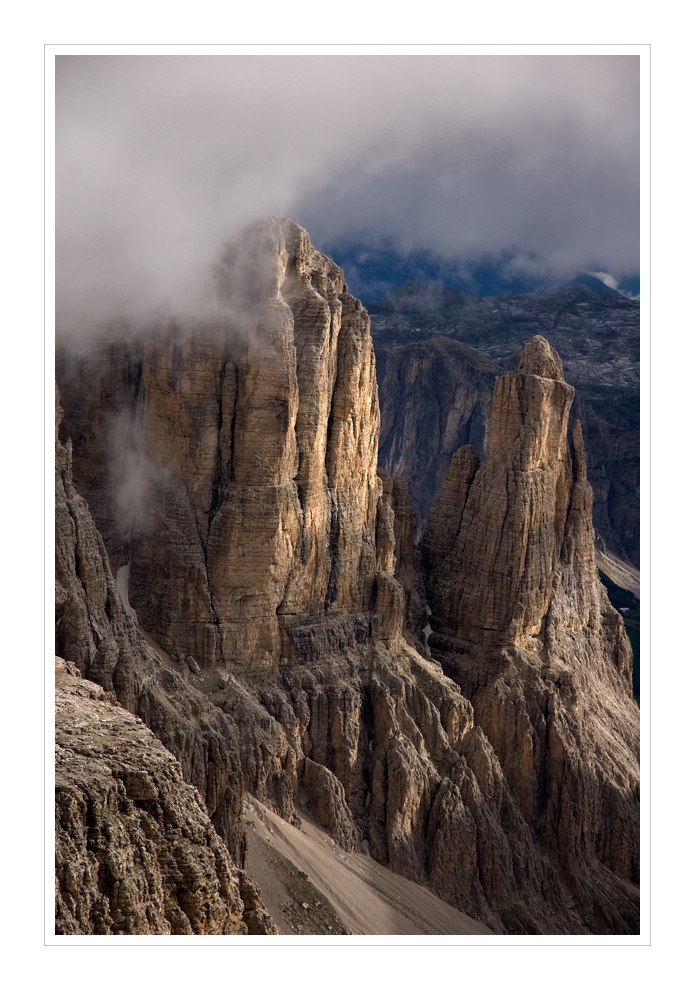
(539, 358)
(497, 580)
(270, 259)
(252, 449)
(522, 622)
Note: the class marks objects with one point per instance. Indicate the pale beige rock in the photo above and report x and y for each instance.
(496, 583)
(247, 495)
(93, 630)
(420, 782)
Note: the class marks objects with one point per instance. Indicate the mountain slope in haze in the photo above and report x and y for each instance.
(434, 397)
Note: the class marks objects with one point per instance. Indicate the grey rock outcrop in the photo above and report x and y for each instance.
(407, 562)
(136, 852)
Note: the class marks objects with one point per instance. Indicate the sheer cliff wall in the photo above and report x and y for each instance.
(231, 466)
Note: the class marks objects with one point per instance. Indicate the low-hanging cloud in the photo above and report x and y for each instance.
(161, 158)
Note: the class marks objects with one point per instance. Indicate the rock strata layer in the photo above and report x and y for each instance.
(363, 734)
(495, 583)
(94, 631)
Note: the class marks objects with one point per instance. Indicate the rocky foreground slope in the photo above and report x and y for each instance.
(231, 468)
(136, 852)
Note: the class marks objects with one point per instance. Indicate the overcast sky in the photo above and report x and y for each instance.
(160, 159)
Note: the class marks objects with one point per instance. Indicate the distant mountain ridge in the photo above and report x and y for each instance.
(376, 271)
(595, 333)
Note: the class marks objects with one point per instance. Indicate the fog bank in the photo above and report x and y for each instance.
(161, 158)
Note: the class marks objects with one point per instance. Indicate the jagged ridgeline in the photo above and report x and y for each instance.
(233, 568)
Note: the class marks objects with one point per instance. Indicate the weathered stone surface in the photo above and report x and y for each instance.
(366, 733)
(249, 493)
(408, 569)
(94, 631)
(598, 338)
(448, 507)
(523, 624)
(496, 583)
(435, 396)
(326, 801)
(136, 852)
(398, 521)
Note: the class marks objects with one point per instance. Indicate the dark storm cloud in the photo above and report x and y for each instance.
(161, 158)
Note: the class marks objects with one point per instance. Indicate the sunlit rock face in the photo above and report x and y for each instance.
(232, 464)
(495, 583)
(521, 621)
(435, 392)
